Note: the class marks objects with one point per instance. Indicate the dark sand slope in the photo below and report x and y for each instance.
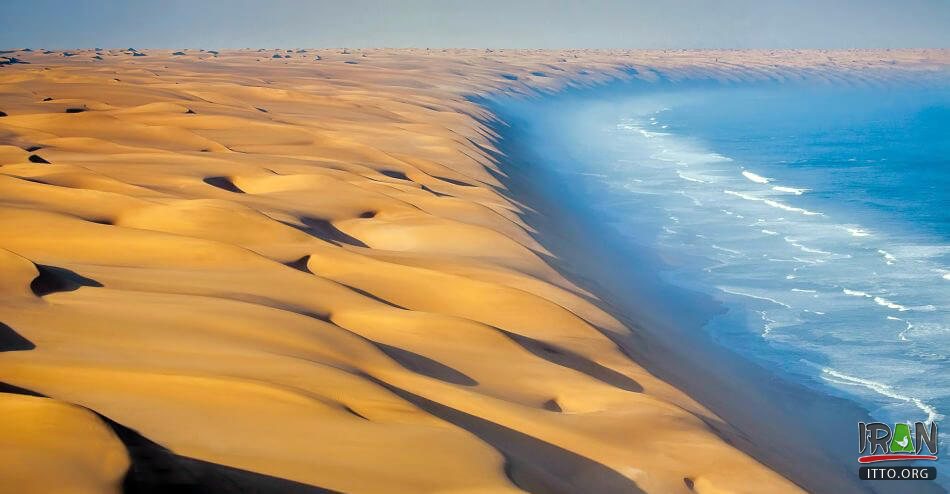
(305, 273)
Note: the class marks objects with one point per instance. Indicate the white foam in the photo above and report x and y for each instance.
(790, 190)
(800, 290)
(774, 204)
(811, 251)
(714, 246)
(685, 157)
(794, 243)
(890, 305)
(689, 178)
(651, 135)
(883, 389)
(769, 232)
(855, 293)
(883, 302)
(857, 231)
(768, 324)
(742, 195)
(696, 202)
(926, 329)
(888, 257)
(907, 327)
(759, 179)
(786, 207)
(757, 297)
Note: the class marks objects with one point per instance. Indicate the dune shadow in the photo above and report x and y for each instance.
(11, 341)
(54, 279)
(325, 230)
(398, 175)
(566, 358)
(375, 297)
(435, 192)
(300, 264)
(534, 465)
(11, 61)
(421, 364)
(552, 406)
(16, 390)
(223, 183)
(455, 182)
(156, 469)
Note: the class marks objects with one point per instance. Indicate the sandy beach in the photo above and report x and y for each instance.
(308, 271)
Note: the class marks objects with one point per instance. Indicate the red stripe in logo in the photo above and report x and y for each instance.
(877, 458)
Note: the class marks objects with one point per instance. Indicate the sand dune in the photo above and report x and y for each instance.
(304, 274)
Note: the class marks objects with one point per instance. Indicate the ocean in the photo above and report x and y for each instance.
(818, 216)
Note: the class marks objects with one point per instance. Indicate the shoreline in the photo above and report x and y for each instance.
(815, 445)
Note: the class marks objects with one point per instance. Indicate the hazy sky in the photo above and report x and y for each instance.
(495, 23)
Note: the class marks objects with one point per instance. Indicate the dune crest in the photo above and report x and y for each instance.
(304, 274)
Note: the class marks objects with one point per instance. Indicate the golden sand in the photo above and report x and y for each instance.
(301, 272)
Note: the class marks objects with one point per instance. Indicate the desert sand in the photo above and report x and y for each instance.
(300, 271)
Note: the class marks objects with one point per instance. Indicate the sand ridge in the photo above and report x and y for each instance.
(299, 269)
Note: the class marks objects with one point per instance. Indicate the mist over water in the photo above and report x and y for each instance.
(818, 217)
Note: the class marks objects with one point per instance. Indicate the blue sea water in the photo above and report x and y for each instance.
(819, 217)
